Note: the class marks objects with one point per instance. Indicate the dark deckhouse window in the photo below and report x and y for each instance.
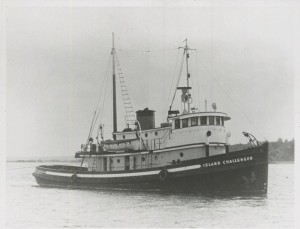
(185, 122)
(203, 120)
(218, 120)
(211, 120)
(177, 123)
(194, 121)
(222, 121)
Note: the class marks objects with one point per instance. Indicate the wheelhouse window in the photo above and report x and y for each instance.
(203, 120)
(218, 121)
(222, 121)
(194, 121)
(185, 122)
(177, 123)
(211, 120)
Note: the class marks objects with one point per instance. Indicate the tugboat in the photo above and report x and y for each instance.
(189, 152)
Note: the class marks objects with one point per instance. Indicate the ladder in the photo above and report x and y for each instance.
(129, 112)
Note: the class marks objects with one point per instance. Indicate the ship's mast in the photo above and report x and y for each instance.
(186, 90)
(186, 96)
(187, 55)
(115, 127)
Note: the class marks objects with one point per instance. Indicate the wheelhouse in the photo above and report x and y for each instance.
(199, 119)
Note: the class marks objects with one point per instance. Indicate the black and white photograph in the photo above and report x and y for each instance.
(149, 114)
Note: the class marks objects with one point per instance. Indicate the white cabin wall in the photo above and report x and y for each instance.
(98, 164)
(118, 166)
(159, 159)
(165, 158)
(196, 134)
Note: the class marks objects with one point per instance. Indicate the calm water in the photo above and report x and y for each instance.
(29, 205)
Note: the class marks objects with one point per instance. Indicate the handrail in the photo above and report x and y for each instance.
(160, 140)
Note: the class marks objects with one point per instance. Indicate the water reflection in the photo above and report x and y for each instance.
(72, 207)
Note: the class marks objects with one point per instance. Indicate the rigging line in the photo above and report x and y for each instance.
(98, 112)
(106, 86)
(197, 75)
(233, 101)
(106, 71)
(100, 93)
(87, 141)
(174, 75)
(98, 108)
(180, 71)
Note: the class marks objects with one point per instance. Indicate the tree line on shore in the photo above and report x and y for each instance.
(279, 151)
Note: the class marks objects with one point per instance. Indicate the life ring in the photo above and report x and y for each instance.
(163, 174)
(74, 177)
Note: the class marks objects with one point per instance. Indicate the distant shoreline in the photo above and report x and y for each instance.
(281, 162)
(27, 161)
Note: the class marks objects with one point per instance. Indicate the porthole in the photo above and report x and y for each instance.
(146, 134)
(181, 154)
(208, 133)
(156, 133)
(143, 158)
(118, 161)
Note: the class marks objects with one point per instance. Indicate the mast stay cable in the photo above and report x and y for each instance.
(97, 110)
(178, 79)
(197, 75)
(174, 75)
(220, 85)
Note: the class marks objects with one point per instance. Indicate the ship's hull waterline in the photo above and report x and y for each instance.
(244, 170)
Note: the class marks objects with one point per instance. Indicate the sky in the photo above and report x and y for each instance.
(57, 61)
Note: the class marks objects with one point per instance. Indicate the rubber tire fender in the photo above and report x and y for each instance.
(74, 177)
(163, 174)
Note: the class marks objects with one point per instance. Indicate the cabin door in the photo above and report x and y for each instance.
(104, 164)
(127, 163)
(132, 162)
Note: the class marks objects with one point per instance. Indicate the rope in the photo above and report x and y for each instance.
(97, 111)
(178, 79)
(174, 76)
(197, 79)
(102, 86)
(87, 141)
(220, 85)
(104, 98)
(106, 71)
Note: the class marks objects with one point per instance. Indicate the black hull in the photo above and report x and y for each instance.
(240, 171)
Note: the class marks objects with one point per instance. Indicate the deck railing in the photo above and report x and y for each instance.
(156, 143)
